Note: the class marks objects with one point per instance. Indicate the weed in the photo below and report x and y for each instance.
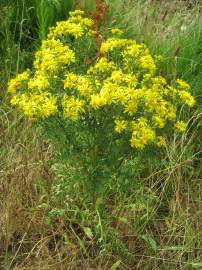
(154, 223)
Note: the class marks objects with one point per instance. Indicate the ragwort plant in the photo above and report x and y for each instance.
(100, 106)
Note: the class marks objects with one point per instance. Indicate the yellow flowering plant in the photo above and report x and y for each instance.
(101, 105)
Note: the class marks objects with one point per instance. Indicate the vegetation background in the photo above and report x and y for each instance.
(154, 220)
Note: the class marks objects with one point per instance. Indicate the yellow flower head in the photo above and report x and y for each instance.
(97, 101)
(182, 85)
(76, 12)
(180, 126)
(161, 142)
(70, 81)
(187, 98)
(120, 125)
(117, 32)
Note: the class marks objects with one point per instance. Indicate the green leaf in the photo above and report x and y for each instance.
(88, 232)
(115, 265)
(150, 242)
(197, 265)
(124, 220)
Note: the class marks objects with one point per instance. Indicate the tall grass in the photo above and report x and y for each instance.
(48, 12)
(17, 36)
(172, 29)
(154, 221)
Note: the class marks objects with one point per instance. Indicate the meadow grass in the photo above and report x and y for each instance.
(153, 224)
(48, 12)
(171, 29)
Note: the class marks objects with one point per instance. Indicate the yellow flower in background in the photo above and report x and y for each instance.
(76, 13)
(147, 62)
(75, 26)
(117, 32)
(182, 85)
(114, 43)
(161, 141)
(158, 121)
(171, 112)
(92, 33)
(187, 98)
(180, 126)
(159, 58)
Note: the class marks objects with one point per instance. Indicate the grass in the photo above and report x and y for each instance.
(170, 29)
(156, 222)
(48, 12)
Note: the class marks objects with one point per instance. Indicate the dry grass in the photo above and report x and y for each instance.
(28, 242)
(169, 237)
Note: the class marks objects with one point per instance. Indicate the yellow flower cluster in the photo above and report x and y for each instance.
(123, 83)
(102, 66)
(36, 105)
(117, 32)
(78, 83)
(72, 107)
(180, 126)
(142, 133)
(114, 43)
(17, 82)
(75, 26)
(52, 56)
